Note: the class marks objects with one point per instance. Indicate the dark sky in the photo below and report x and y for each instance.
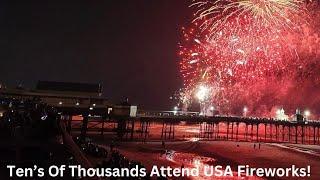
(130, 46)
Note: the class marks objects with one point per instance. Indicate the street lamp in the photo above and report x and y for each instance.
(175, 110)
(307, 113)
(245, 110)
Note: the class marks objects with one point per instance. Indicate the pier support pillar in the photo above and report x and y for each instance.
(237, 131)
(296, 127)
(257, 135)
(231, 130)
(265, 132)
(84, 126)
(228, 124)
(314, 135)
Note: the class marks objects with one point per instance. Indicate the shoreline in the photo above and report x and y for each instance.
(224, 153)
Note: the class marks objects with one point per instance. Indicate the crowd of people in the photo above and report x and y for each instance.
(110, 158)
(30, 121)
(30, 135)
(29, 118)
(90, 148)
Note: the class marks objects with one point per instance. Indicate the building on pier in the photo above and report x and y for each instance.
(298, 117)
(281, 115)
(63, 95)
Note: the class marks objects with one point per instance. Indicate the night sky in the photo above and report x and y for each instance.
(130, 46)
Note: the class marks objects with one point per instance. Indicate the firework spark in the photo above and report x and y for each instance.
(212, 15)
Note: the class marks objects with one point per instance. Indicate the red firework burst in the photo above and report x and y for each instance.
(248, 63)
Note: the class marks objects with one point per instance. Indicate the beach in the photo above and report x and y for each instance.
(225, 153)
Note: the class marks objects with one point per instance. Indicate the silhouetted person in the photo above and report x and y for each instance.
(259, 145)
(111, 146)
(254, 146)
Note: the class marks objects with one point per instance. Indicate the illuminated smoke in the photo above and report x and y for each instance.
(248, 61)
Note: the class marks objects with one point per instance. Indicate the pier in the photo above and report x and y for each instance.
(228, 128)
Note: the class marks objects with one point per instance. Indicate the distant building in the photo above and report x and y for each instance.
(281, 115)
(72, 98)
(68, 87)
(298, 116)
(63, 95)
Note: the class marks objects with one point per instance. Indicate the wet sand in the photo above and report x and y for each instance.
(226, 153)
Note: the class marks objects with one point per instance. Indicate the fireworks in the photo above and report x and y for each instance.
(213, 15)
(246, 52)
(203, 93)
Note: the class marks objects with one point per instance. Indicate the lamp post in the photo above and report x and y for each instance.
(307, 114)
(245, 110)
(175, 110)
